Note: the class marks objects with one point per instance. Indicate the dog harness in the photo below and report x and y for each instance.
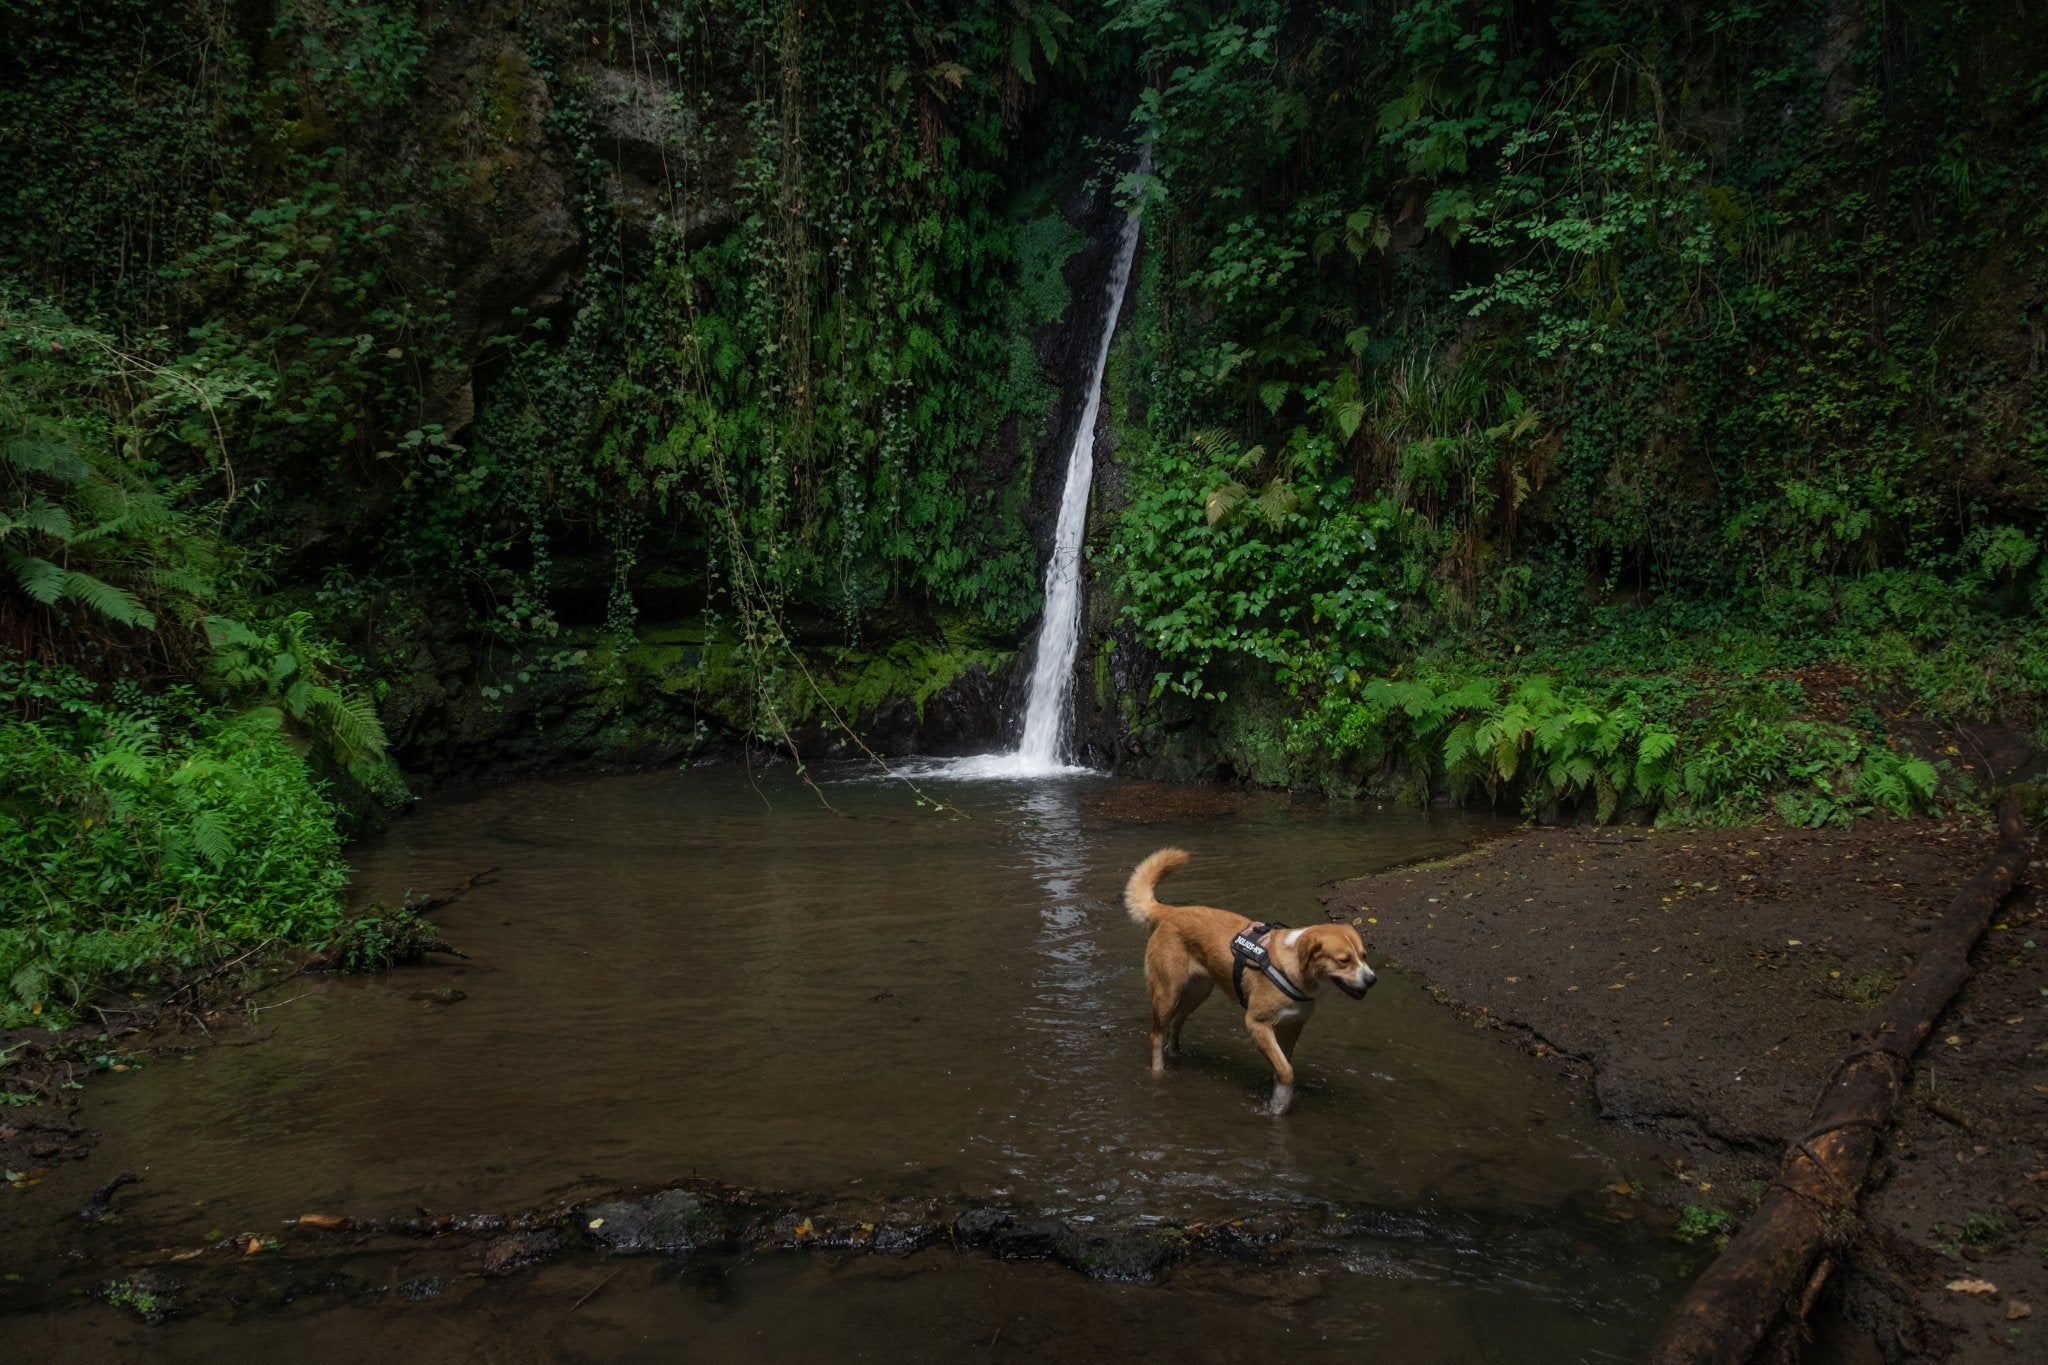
(1248, 949)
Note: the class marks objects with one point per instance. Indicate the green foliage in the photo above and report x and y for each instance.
(290, 673)
(373, 50)
(1465, 325)
(132, 1296)
(380, 938)
(1575, 306)
(1729, 755)
(1283, 577)
(1699, 1223)
(140, 834)
(802, 407)
(85, 527)
(1980, 1229)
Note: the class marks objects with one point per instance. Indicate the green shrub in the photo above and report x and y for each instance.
(1733, 757)
(144, 834)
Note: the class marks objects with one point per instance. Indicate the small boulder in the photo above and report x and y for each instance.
(672, 1223)
(978, 1227)
(1121, 1254)
(517, 1251)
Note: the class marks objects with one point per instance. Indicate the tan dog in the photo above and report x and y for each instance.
(1190, 952)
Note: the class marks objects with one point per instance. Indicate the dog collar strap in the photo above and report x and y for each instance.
(1248, 949)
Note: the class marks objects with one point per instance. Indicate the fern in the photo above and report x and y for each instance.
(1461, 746)
(1655, 748)
(210, 836)
(40, 514)
(43, 451)
(1920, 777)
(129, 763)
(286, 675)
(37, 577)
(116, 604)
(1607, 797)
(351, 718)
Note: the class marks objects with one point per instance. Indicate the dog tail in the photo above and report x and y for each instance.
(1138, 897)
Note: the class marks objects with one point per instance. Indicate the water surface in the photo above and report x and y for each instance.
(724, 974)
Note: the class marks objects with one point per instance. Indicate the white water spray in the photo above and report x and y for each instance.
(1059, 636)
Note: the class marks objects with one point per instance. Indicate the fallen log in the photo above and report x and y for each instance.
(1811, 1206)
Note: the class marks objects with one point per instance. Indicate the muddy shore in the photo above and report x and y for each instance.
(1706, 981)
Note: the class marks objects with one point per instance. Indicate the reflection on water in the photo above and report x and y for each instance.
(676, 974)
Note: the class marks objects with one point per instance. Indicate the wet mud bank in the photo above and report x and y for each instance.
(1706, 983)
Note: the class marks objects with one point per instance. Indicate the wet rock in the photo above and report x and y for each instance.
(1241, 1236)
(900, 1241)
(1033, 1241)
(1115, 1254)
(672, 1223)
(1125, 1254)
(441, 995)
(516, 1251)
(1000, 1232)
(978, 1227)
(425, 1287)
(1392, 1226)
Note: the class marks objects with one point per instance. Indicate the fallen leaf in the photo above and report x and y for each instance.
(191, 1255)
(1620, 1187)
(322, 1220)
(1513, 980)
(596, 1223)
(1792, 943)
(1954, 1040)
(254, 1245)
(2015, 1310)
(1972, 1286)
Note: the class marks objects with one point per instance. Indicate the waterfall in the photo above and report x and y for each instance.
(1059, 635)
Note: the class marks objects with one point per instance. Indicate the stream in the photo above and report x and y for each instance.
(716, 974)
